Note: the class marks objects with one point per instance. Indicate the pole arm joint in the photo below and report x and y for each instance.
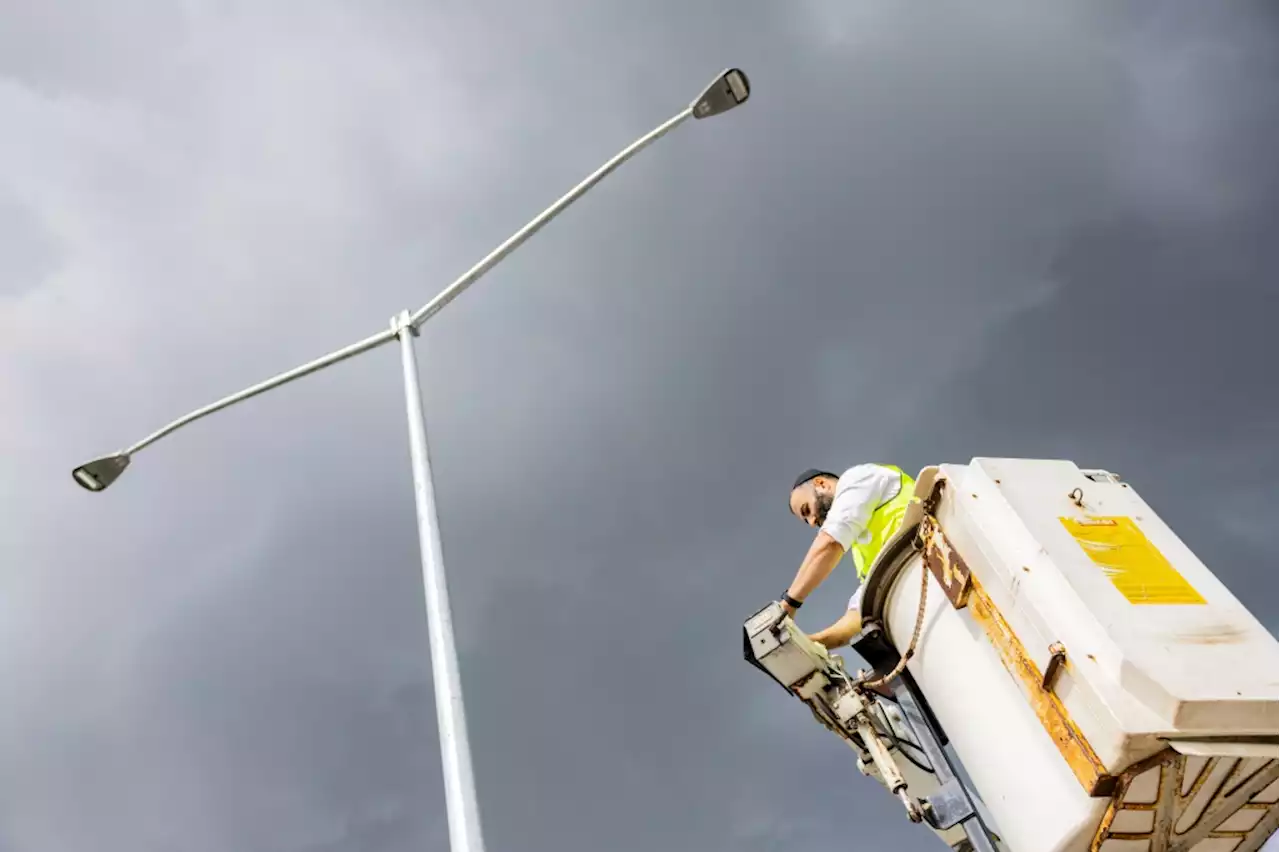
(402, 323)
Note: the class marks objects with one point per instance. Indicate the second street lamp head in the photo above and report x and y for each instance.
(728, 90)
(99, 473)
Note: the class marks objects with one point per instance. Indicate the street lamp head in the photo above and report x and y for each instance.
(99, 473)
(727, 91)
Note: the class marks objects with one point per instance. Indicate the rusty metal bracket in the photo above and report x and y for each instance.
(930, 503)
(939, 555)
(1187, 810)
(1057, 660)
(945, 563)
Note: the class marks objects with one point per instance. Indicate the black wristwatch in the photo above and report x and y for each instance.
(792, 602)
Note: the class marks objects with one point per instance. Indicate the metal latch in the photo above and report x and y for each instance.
(1057, 659)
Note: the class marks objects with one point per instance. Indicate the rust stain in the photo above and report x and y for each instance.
(1120, 787)
(1053, 716)
(1104, 826)
(945, 563)
(1171, 804)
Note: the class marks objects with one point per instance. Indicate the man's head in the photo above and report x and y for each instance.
(812, 494)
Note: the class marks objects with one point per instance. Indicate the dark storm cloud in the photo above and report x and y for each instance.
(1054, 225)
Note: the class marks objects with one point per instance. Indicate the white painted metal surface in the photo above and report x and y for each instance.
(1028, 788)
(1150, 658)
(1191, 668)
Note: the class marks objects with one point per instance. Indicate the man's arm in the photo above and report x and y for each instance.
(823, 556)
(858, 491)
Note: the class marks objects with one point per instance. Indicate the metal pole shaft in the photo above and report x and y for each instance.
(455, 749)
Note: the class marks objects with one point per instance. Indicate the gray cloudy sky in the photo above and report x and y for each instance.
(992, 228)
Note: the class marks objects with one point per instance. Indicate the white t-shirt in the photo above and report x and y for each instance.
(859, 491)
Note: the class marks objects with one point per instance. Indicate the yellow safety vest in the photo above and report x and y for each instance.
(884, 522)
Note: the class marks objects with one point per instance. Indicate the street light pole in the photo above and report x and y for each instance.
(728, 90)
(451, 718)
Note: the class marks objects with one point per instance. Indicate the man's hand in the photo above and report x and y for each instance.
(840, 633)
(788, 609)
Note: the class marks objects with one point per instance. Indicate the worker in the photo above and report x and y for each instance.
(857, 512)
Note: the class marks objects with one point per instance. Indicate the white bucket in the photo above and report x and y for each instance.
(1156, 653)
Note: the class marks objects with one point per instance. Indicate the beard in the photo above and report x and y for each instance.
(821, 505)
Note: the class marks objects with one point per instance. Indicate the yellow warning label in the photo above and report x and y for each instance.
(1134, 565)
